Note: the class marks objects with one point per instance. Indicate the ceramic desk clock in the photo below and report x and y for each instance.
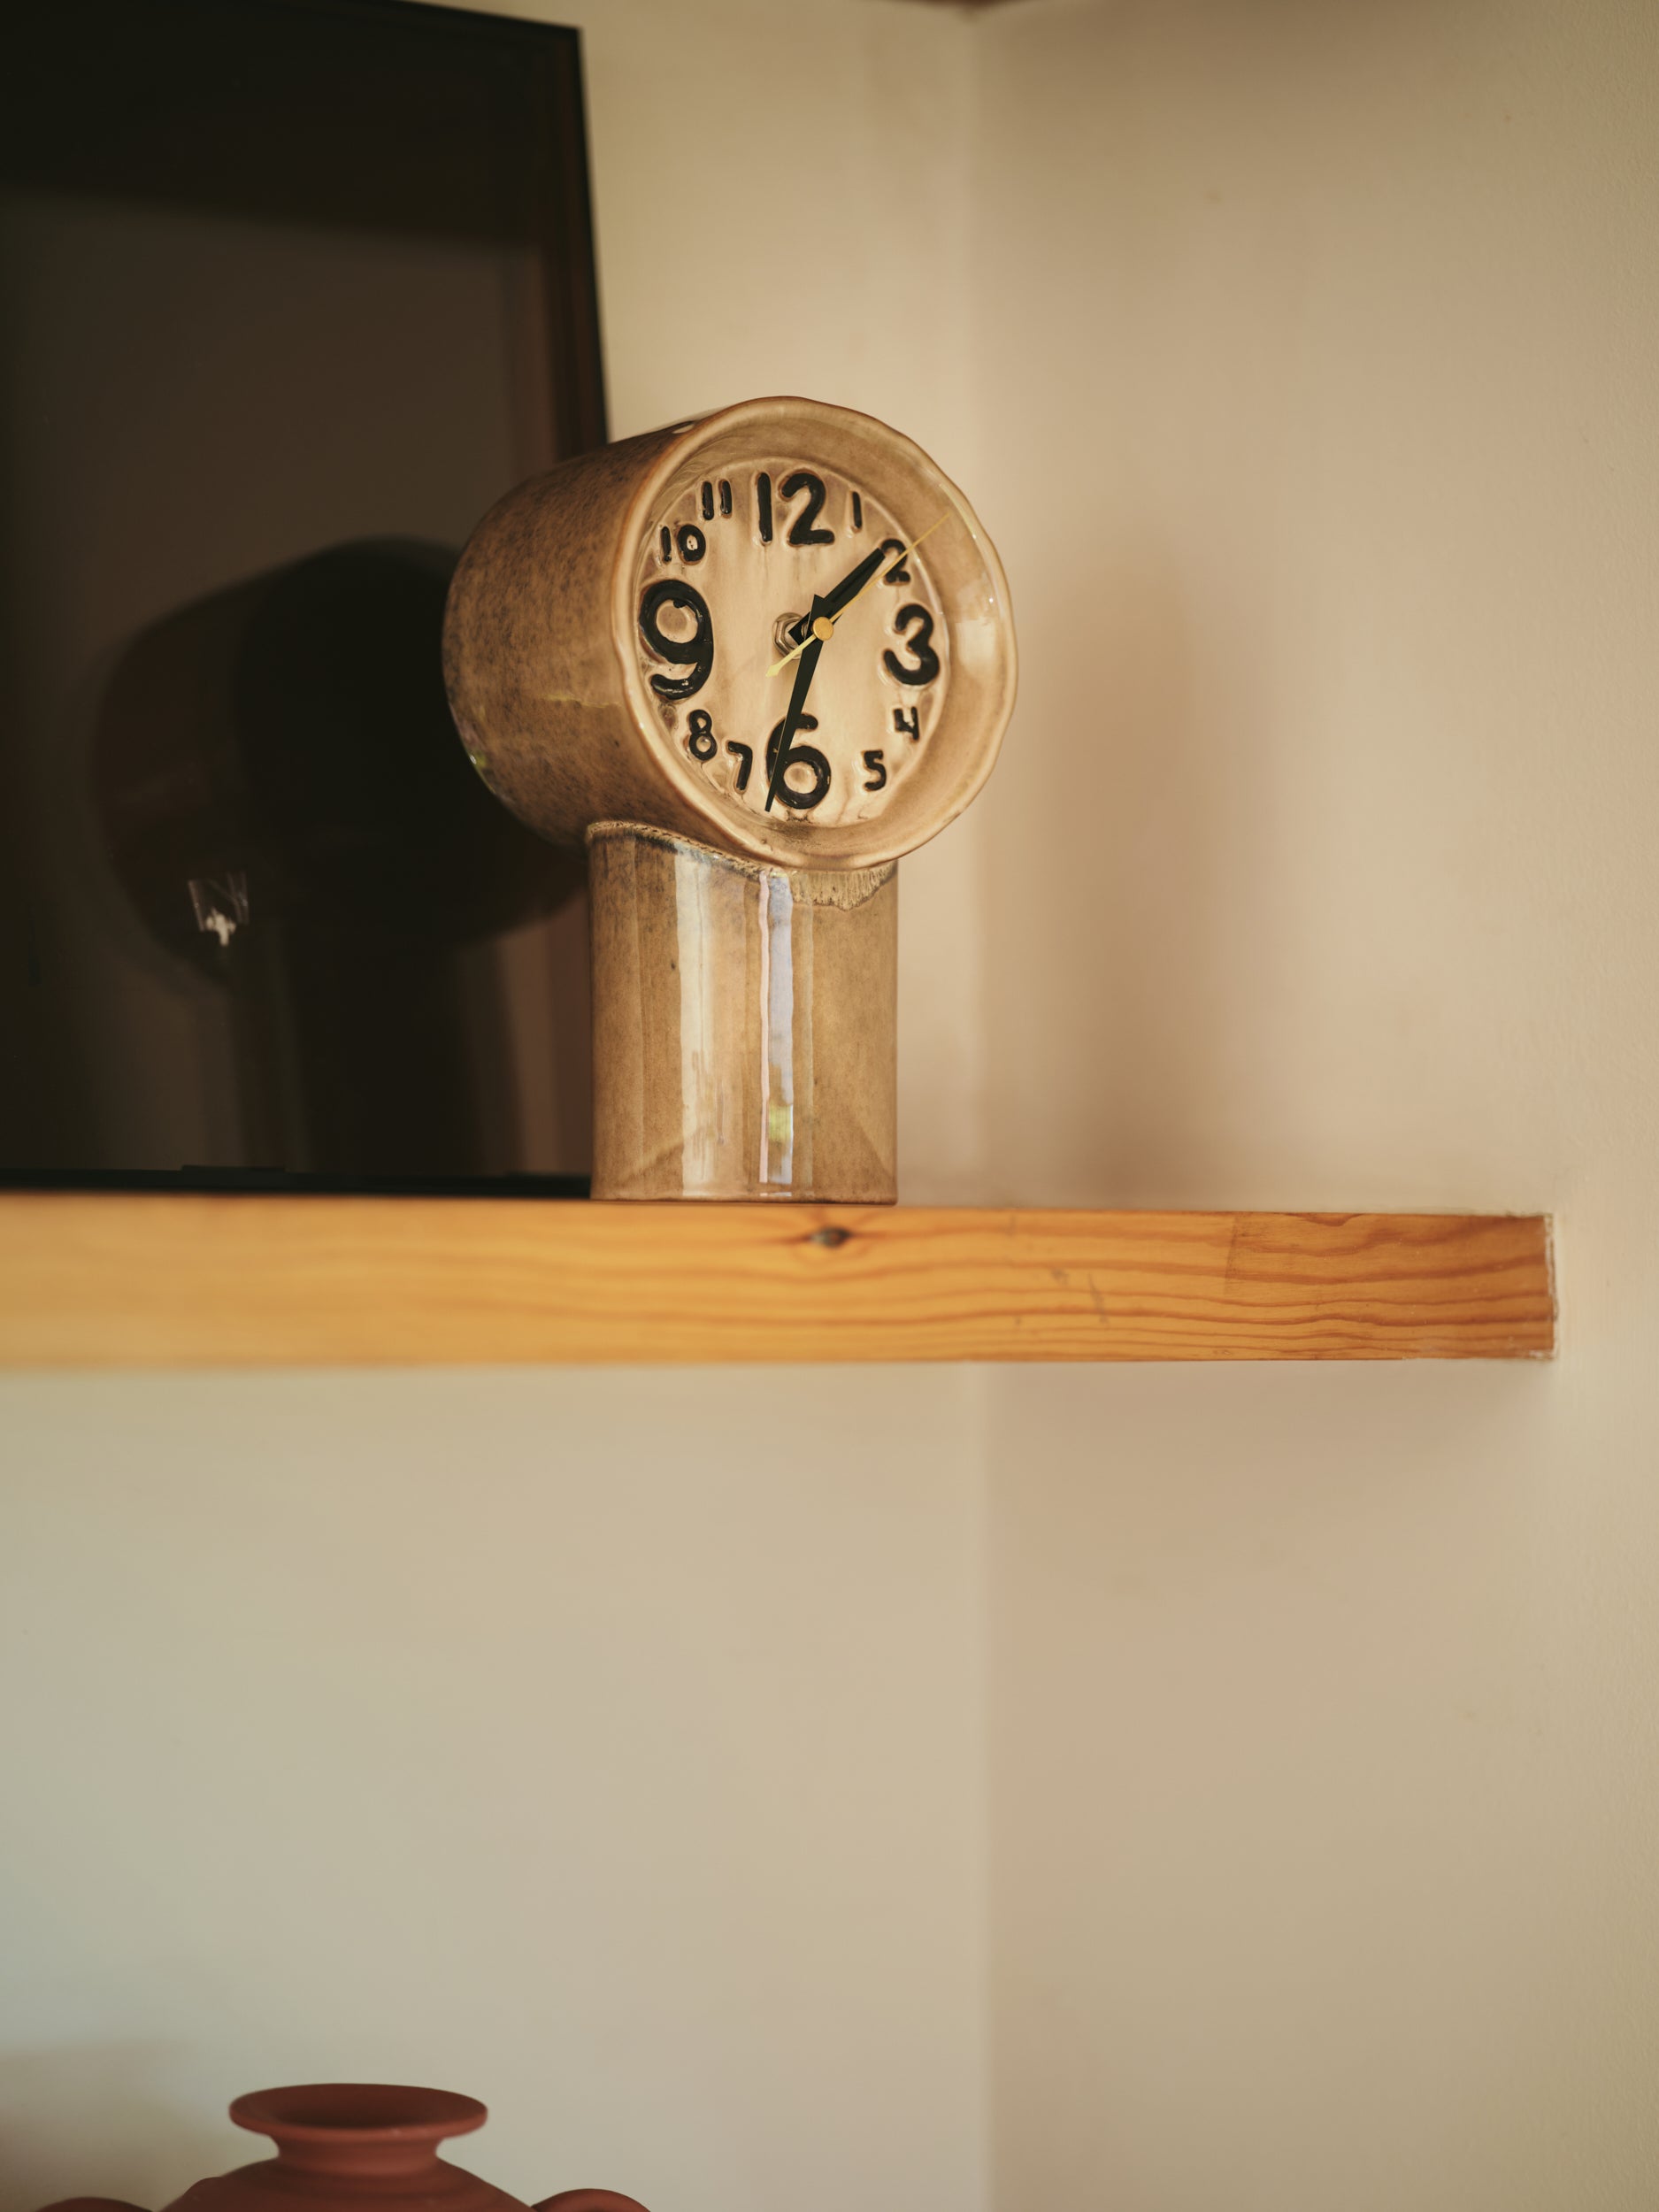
(751, 660)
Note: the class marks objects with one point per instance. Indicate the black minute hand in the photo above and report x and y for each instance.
(805, 669)
(822, 610)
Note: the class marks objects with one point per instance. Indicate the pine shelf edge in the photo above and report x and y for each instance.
(190, 1279)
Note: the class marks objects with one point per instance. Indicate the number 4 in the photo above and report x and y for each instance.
(907, 722)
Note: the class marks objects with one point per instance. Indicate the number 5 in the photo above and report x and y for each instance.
(877, 766)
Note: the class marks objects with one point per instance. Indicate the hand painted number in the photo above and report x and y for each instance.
(802, 530)
(917, 618)
(898, 573)
(695, 653)
(700, 739)
(877, 777)
(801, 755)
(745, 762)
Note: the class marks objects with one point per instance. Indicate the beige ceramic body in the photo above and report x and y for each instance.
(745, 1024)
(541, 655)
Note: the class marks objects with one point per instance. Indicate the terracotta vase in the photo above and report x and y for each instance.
(342, 2147)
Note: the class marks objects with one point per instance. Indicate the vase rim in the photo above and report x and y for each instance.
(362, 2111)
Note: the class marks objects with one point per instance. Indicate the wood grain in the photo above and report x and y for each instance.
(175, 1280)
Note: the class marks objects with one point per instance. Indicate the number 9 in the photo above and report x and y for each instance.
(695, 653)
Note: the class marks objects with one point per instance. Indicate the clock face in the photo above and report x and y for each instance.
(730, 578)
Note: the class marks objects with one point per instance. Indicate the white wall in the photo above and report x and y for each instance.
(1316, 351)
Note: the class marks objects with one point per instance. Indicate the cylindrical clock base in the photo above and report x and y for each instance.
(745, 1024)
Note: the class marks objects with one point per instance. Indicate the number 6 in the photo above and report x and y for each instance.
(804, 756)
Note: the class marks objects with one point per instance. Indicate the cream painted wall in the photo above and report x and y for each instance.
(604, 1745)
(610, 1745)
(607, 1745)
(1316, 349)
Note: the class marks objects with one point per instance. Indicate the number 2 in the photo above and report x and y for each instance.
(802, 530)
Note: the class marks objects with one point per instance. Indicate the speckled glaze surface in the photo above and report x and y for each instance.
(745, 1022)
(343, 2146)
(568, 721)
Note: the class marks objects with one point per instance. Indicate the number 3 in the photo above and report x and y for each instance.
(917, 618)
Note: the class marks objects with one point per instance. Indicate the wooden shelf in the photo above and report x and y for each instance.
(194, 1281)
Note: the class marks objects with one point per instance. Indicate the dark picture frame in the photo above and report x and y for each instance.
(260, 927)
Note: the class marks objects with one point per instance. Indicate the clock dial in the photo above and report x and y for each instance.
(729, 577)
(628, 637)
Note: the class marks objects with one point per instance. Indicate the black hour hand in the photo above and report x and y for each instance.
(849, 586)
(828, 609)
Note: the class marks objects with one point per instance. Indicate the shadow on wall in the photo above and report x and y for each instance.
(91, 2121)
(287, 806)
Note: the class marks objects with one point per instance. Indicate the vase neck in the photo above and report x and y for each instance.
(367, 2157)
(358, 2131)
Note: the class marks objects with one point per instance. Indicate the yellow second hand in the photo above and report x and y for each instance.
(795, 650)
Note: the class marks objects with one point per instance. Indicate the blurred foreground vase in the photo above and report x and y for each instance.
(344, 2146)
(745, 1024)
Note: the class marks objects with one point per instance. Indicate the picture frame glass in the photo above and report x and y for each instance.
(291, 292)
